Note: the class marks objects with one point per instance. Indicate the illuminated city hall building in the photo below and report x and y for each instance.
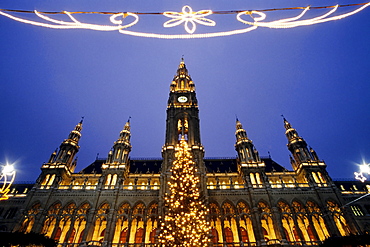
(252, 200)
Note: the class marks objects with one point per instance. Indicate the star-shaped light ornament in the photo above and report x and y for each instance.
(360, 176)
(189, 18)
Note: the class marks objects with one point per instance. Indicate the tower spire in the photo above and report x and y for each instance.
(182, 81)
(297, 145)
(182, 121)
(118, 156)
(244, 146)
(68, 148)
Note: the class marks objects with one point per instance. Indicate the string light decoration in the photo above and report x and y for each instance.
(6, 180)
(184, 223)
(188, 17)
(364, 169)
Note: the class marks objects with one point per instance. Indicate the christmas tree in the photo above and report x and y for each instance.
(184, 222)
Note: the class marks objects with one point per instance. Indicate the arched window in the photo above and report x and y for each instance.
(214, 236)
(153, 209)
(102, 234)
(242, 208)
(266, 220)
(229, 235)
(108, 180)
(123, 236)
(244, 235)
(72, 236)
(214, 209)
(287, 235)
(139, 235)
(339, 220)
(265, 234)
(139, 209)
(81, 236)
(227, 208)
(57, 234)
(253, 180)
(152, 235)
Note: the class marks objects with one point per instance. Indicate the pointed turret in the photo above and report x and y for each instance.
(61, 163)
(69, 148)
(119, 154)
(182, 82)
(305, 160)
(244, 146)
(297, 145)
(250, 165)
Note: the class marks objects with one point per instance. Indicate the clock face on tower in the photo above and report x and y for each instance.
(182, 99)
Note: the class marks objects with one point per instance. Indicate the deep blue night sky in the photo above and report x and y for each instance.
(317, 76)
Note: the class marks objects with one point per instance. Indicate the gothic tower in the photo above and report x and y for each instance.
(116, 167)
(250, 164)
(305, 160)
(62, 163)
(183, 121)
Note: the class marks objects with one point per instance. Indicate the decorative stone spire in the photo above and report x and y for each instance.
(244, 146)
(182, 82)
(121, 148)
(69, 147)
(297, 145)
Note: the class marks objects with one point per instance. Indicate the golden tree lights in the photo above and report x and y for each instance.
(184, 222)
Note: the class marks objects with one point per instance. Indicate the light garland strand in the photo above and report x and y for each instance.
(7, 177)
(187, 17)
(364, 169)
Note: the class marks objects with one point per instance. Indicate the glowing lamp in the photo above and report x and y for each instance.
(365, 168)
(7, 169)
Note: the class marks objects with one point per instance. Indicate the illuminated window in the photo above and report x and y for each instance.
(139, 235)
(57, 234)
(357, 210)
(258, 178)
(124, 209)
(152, 235)
(242, 208)
(102, 234)
(244, 235)
(118, 153)
(316, 178)
(123, 235)
(214, 237)
(227, 208)
(339, 220)
(229, 235)
(72, 236)
(108, 180)
(81, 236)
(214, 209)
(253, 180)
(321, 177)
(265, 234)
(153, 209)
(139, 209)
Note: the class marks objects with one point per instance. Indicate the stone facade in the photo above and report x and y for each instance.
(253, 201)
